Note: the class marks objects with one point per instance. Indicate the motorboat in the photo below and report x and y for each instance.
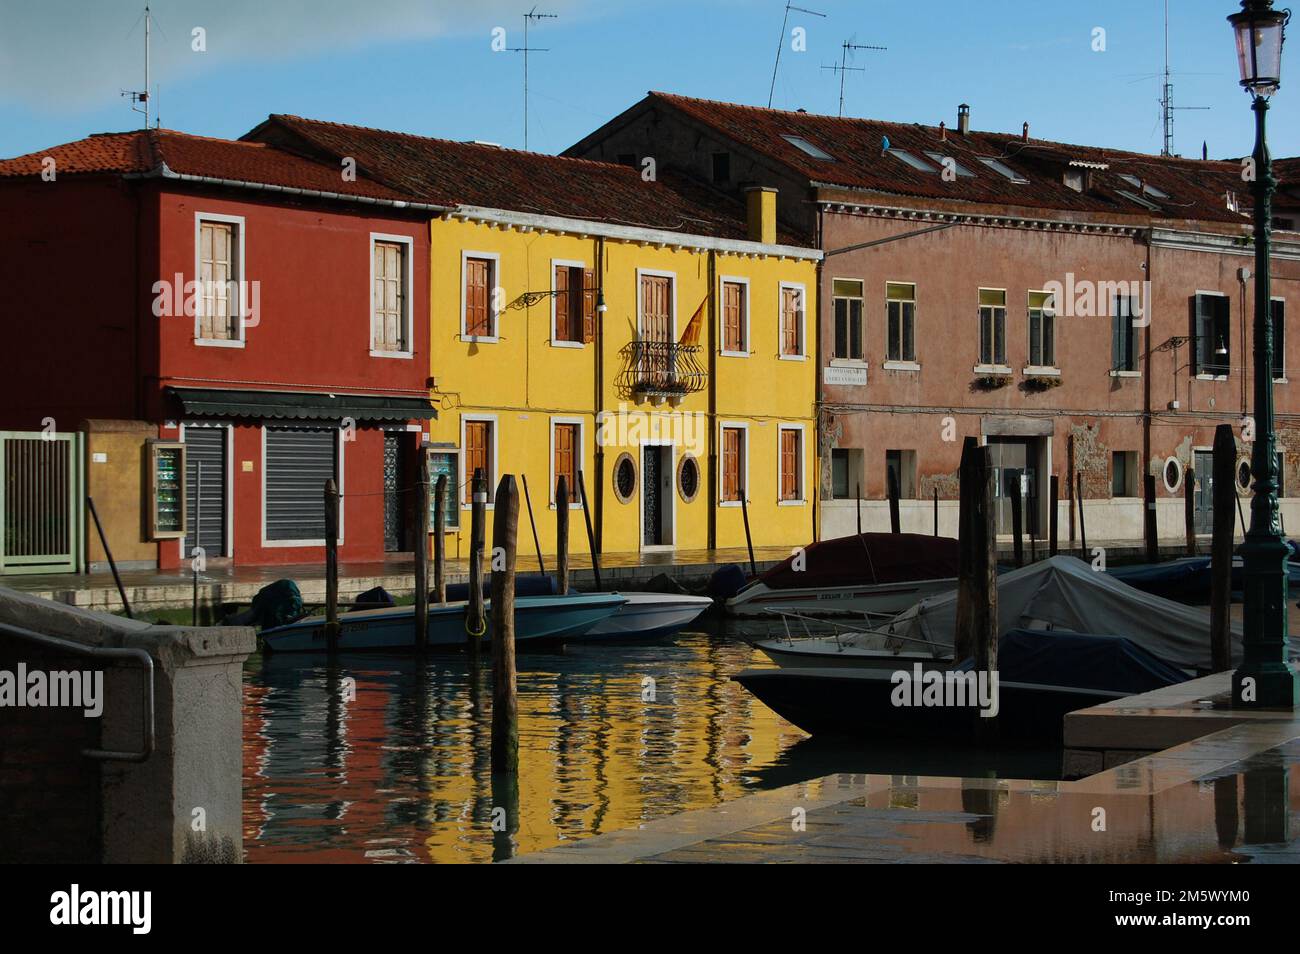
(538, 619)
(646, 617)
(865, 573)
(1061, 593)
(1041, 675)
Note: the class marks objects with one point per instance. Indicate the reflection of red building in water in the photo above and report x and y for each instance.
(262, 309)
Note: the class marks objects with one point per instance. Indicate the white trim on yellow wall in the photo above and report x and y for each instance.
(495, 258)
(562, 263)
(803, 465)
(803, 321)
(744, 448)
(723, 280)
(580, 455)
(460, 459)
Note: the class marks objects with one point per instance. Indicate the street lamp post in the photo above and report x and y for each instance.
(1264, 679)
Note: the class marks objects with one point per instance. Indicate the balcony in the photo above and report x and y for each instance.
(661, 370)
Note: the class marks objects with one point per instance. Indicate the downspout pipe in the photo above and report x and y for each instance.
(713, 399)
(599, 344)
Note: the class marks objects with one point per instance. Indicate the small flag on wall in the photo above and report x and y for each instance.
(691, 336)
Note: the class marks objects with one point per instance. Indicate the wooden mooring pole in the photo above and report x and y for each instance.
(1149, 531)
(439, 540)
(1224, 487)
(1189, 510)
(895, 524)
(331, 565)
(591, 536)
(108, 555)
(562, 535)
(505, 703)
(420, 550)
(936, 511)
(977, 592)
(537, 544)
(1053, 516)
(1083, 532)
(1017, 522)
(857, 505)
(749, 541)
(475, 623)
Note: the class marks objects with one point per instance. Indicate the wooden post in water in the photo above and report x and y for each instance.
(936, 511)
(1083, 532)
(1149, 518)
(420, 550)
(893, 491)
(1225, 492)
(562, 534)
(537, 544)
(1054, 516)
(331, 566)
(108, 555)
(977, 594)
(505, 703)
(749, 541)
(439, 540)
(591, 537)
(1189, 510)
(857, 505)
(1017, 522)
(475, 623)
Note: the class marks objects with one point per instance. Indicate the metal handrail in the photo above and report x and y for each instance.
(663, 367)
(787, 615)
(105, 652)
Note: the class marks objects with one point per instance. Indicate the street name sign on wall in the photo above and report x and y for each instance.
(849, 376)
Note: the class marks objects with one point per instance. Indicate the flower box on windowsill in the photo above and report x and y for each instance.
(990, 379)
(1038, 382)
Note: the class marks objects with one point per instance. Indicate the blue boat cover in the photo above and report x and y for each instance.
(526, 584)
(1080, 661)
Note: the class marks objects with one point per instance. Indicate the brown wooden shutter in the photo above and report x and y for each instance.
(588, 305)
(789, 465)
(477, 297)
(790, 321)
(563, 332)
(732, 316)
(476, 455)
(565, 462)
(730, 463)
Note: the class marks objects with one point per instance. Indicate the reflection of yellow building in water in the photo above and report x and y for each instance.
(649, 333)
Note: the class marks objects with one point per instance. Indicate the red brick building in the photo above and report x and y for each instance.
(279, 369)
(1086, 311)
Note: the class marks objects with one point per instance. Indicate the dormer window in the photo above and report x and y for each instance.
(1150, 190)
(1074, 179)
(916, 163)
(956, 166)
(805, 146)
(1135, 198)
(1005, 171)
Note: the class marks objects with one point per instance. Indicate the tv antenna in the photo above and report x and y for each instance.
(529, 17)
(784, 21)
(140, 98)
(1167, 106)
(844, 68)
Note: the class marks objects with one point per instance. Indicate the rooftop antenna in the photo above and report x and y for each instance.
(843, 68)
(1167, 106)
(142, 96)
(530, 16)
(784, 21)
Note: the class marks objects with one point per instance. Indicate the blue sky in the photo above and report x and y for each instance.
(427, 67)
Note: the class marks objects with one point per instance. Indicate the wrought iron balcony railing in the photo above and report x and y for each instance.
(663, 368)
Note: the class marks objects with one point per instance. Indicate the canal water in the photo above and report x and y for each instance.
(385, 758)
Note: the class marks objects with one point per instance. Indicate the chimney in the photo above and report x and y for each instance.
(943, 132)
(1024, 133)
(760, 210)
(963, 119)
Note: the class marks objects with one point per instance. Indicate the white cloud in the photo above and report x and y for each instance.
(67, 54)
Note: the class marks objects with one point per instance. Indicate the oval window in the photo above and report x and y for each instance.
(688, 478)
(1243, 475)
(624, 478)
(1173, 474)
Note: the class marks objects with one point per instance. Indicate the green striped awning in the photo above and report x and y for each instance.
(300, 405)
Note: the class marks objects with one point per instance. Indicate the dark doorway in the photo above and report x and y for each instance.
(397, 482)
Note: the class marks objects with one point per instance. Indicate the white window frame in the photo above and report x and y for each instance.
(640, 303)
(238, 268)
(453, 490)
(579, 456)
(230, 485)
(1045, 370)
(495, 281)
(837, 362)
(1201, 375)
(338, 464)
(460, 460)
(900, 364)
(408, 304)
(994, 367)
(723, 280)
(744, 448)
(802, 499)
(803, 321)
(555, 342)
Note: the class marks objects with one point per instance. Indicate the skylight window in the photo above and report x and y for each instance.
(805, 146)
(1005, 171)
(911, 160)
(1150, 190)
(957, 167)
(1134, 197)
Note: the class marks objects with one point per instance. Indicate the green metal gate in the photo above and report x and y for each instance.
(41, 511)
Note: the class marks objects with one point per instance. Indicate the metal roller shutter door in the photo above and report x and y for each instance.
(298, 462)
(205, 446)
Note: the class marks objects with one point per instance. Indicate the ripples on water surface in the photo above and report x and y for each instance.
(402, 773)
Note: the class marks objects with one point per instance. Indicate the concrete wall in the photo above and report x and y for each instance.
(184, 802)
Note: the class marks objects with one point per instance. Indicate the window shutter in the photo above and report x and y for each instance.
(562, 307)
(588, 305)
(1116, 337)
(1279, 338)
(1198, 332)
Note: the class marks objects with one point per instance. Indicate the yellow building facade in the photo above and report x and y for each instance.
(561, 346)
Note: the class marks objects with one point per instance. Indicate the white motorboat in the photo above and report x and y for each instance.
(647, 616)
